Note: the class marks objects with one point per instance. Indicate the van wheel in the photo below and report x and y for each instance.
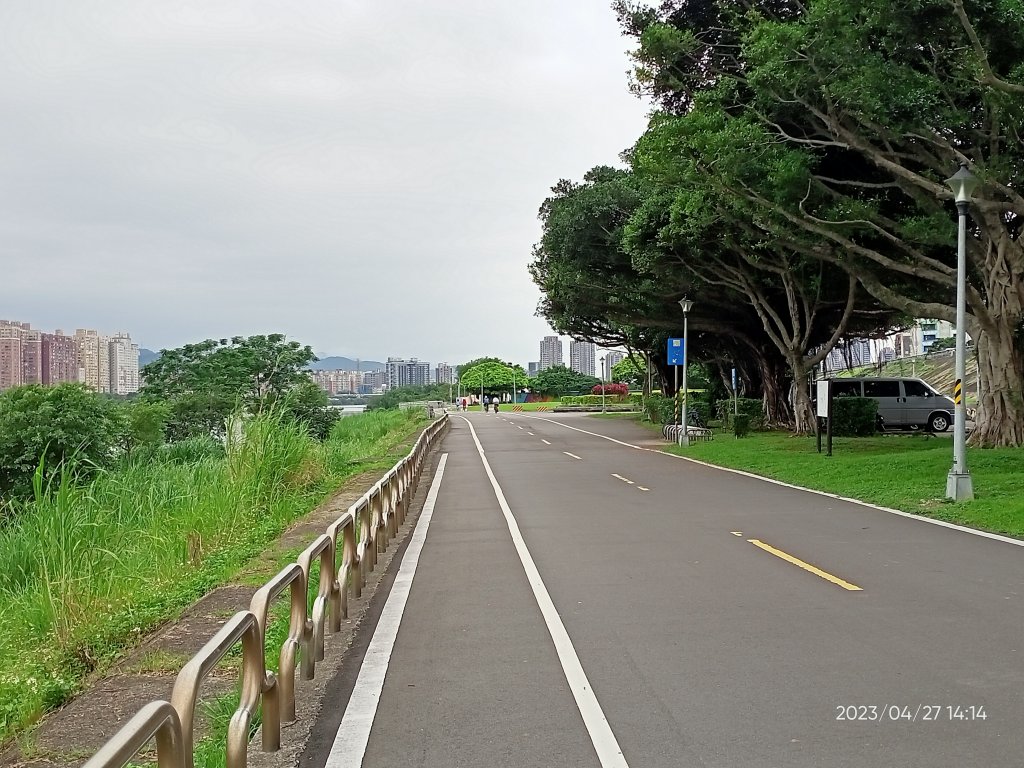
(939, 422)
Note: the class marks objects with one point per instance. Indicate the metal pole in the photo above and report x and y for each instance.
(686, 343)
(675, 370)
(958, 483)
(604, 361)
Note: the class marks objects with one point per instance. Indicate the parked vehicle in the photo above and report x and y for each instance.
(902, 403)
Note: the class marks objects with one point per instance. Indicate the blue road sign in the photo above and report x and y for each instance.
(675, 351)
(734, 378)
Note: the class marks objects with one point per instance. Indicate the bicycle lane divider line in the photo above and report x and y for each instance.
(349, 747)
(826, 494)
(573, 455)
(806, 566)
(605, 744)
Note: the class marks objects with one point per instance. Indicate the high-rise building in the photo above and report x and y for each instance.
(444, 374)
(60, 358)
(932, 331)
(407, 373)
(611, 359)
(12, 370)
(581, 357)
(550, 352)
(532, 369)
(31, 357)
(123, 365)
(374, 382)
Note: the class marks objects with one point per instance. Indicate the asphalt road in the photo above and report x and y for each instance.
(718, 620)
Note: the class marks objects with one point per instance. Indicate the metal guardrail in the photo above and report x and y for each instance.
(364, 531)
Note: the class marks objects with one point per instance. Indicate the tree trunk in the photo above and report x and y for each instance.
(1000, 418)
(1000, 342)
(804, 420)
(773, 387)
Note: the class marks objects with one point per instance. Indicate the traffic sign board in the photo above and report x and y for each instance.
(675, 351)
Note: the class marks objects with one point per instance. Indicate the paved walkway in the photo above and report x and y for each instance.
(696, 617)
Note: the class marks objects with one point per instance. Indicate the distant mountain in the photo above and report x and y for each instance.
(345, 364)
(147, 356)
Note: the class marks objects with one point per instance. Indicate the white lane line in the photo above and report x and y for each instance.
(858, 502)
(641, 488)
(518, 427)
(545, 441)
(578, 458)
(605, 744)
(623, 479)
(530, 434)
(354, 732)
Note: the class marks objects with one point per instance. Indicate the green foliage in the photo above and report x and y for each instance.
(491, 376)
(854, 416)
(940, 344)
(205, 383)
(629, 372)
(660, 409)
(754, 409)
(593, 400)
(144, 423)
(66, 428)
(308, 405)
(559, 380)
(741, 425)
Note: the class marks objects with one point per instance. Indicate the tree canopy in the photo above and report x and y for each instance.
(559, 380)
(792, 182)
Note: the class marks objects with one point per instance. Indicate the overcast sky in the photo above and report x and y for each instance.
(363, 176)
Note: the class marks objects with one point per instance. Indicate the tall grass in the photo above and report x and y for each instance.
(86, 570)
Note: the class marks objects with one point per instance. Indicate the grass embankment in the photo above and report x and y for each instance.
(905, 472)
(86, 571)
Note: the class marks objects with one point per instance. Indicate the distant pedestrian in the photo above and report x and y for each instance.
(463, 403)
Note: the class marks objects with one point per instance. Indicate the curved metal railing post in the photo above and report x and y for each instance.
(345, 573)
(159, 719)
(242, 626)
(313, 636)
(279, 691)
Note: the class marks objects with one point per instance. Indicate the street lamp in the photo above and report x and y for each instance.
(604, 361)
(958, 482)
(687, 305)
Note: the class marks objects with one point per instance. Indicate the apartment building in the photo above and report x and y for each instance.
(611, 359)
(582, 357)
(444, 374)
(550, 352)
(406, 373)
(123, 365)
(12, 371)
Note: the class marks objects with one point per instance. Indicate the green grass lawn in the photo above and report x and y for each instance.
(905, 472)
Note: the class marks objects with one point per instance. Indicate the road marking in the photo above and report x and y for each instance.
(806, 566)
(350, 741)
(609, 753)
(545, 441)
(736, 533)
(641, 488)
(623, 479)
(578, 458)
(858, 502)
(530, 434)
(518, 427)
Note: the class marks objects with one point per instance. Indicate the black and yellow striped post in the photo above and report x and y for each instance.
(958, 392)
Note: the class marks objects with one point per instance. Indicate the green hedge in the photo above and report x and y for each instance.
(854, 416)
(592, 400)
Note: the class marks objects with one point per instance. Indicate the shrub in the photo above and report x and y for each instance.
(854, 416)
(61, 428)
(754, 408)
(619, 390)
(660, 409)
(741, 425)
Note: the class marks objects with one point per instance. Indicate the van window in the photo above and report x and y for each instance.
(845, 388)
(881, 389)
(917, 389)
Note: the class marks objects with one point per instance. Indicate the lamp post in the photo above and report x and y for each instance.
(958, 482)
(604, 361)
(687, 305)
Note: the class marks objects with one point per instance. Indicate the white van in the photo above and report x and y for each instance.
(902, 403)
